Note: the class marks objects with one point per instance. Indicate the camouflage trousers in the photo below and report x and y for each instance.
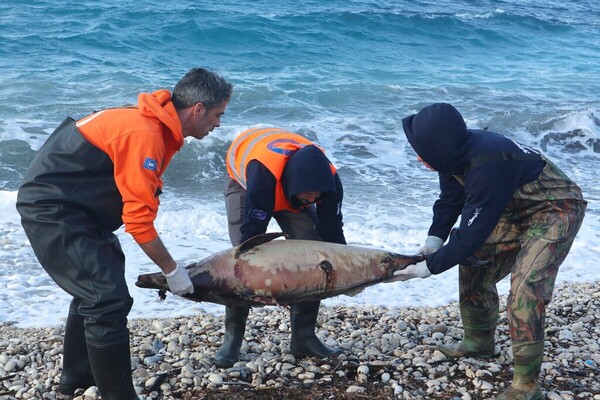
(530, 242)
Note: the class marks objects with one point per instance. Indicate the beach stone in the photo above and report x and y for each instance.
(401, 326)
(483, 385)
(405, 361)
(578, 327)
(355, 389)
(10, 366)
(91, 394)
(215, 378)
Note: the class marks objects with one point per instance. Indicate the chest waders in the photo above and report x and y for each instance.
(69, 206)
(530, 241)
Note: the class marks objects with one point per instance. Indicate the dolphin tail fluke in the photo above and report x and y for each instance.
(401, 261)
(152, 281)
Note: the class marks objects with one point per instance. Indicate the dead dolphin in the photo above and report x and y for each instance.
(263, 271)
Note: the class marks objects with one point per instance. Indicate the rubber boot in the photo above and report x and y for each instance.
(76, 371)
(478, 340)
(235, 326)
(527, 358)
(304, 342)
(111, 365)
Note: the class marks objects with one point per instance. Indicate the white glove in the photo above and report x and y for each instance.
(432, 244)
(179, 281)
(418, 270)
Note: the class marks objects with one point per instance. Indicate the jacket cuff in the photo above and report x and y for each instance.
(145, 237)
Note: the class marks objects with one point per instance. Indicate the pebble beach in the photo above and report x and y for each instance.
(388, 353)
(344, 74)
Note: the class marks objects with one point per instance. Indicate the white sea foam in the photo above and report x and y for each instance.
(304, 67)
(194, 231)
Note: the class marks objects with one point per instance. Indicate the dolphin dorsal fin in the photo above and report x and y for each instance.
(255, 241)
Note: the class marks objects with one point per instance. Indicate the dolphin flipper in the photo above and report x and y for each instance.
(255, 241)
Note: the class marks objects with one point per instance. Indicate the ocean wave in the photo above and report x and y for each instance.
(573, 133)
(344, 73)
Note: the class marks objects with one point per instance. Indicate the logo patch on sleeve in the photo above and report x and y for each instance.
(475, 215)
(150, 163)
(258, 214)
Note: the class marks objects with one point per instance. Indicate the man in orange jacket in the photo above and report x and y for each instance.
(90, 177)
(278, 174)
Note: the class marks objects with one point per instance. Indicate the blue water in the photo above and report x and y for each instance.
(342, 72)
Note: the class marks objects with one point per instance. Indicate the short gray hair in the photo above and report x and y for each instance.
(201, 86)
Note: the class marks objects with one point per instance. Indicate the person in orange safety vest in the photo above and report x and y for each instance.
(90, 177)
(274, 173)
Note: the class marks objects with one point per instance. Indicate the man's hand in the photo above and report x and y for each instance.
(179, 281)
(432, 244)
(418, 270)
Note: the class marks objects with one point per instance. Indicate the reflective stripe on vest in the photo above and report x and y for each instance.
(272, 147)
(241, 149)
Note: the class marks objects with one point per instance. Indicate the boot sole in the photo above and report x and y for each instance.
(224, 363)
(302, 354)
(69, 385)
(70, 390)
(537, 396)
(450, 355)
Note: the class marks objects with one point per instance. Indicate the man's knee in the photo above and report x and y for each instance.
(107, 324)
(299, 226)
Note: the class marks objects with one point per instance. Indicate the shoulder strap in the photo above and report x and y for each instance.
(502, 156)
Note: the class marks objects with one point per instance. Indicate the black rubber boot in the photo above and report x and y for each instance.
(235, 326)
(76, 371)
(112, 370)
(304, 342)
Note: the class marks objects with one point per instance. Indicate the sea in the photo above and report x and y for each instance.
(341, 72)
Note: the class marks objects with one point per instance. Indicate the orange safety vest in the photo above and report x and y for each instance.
(272, 147)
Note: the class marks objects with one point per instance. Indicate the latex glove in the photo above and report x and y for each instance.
(432, 244)
(418, 270)
(179, 281)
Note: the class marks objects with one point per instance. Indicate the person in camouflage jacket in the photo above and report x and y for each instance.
(519, 216)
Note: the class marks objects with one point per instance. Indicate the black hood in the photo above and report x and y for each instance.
(438, 134)
(308, 170)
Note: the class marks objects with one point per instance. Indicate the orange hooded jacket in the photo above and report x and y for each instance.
(140, 142)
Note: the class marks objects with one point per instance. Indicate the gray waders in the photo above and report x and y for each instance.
(303, 316)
